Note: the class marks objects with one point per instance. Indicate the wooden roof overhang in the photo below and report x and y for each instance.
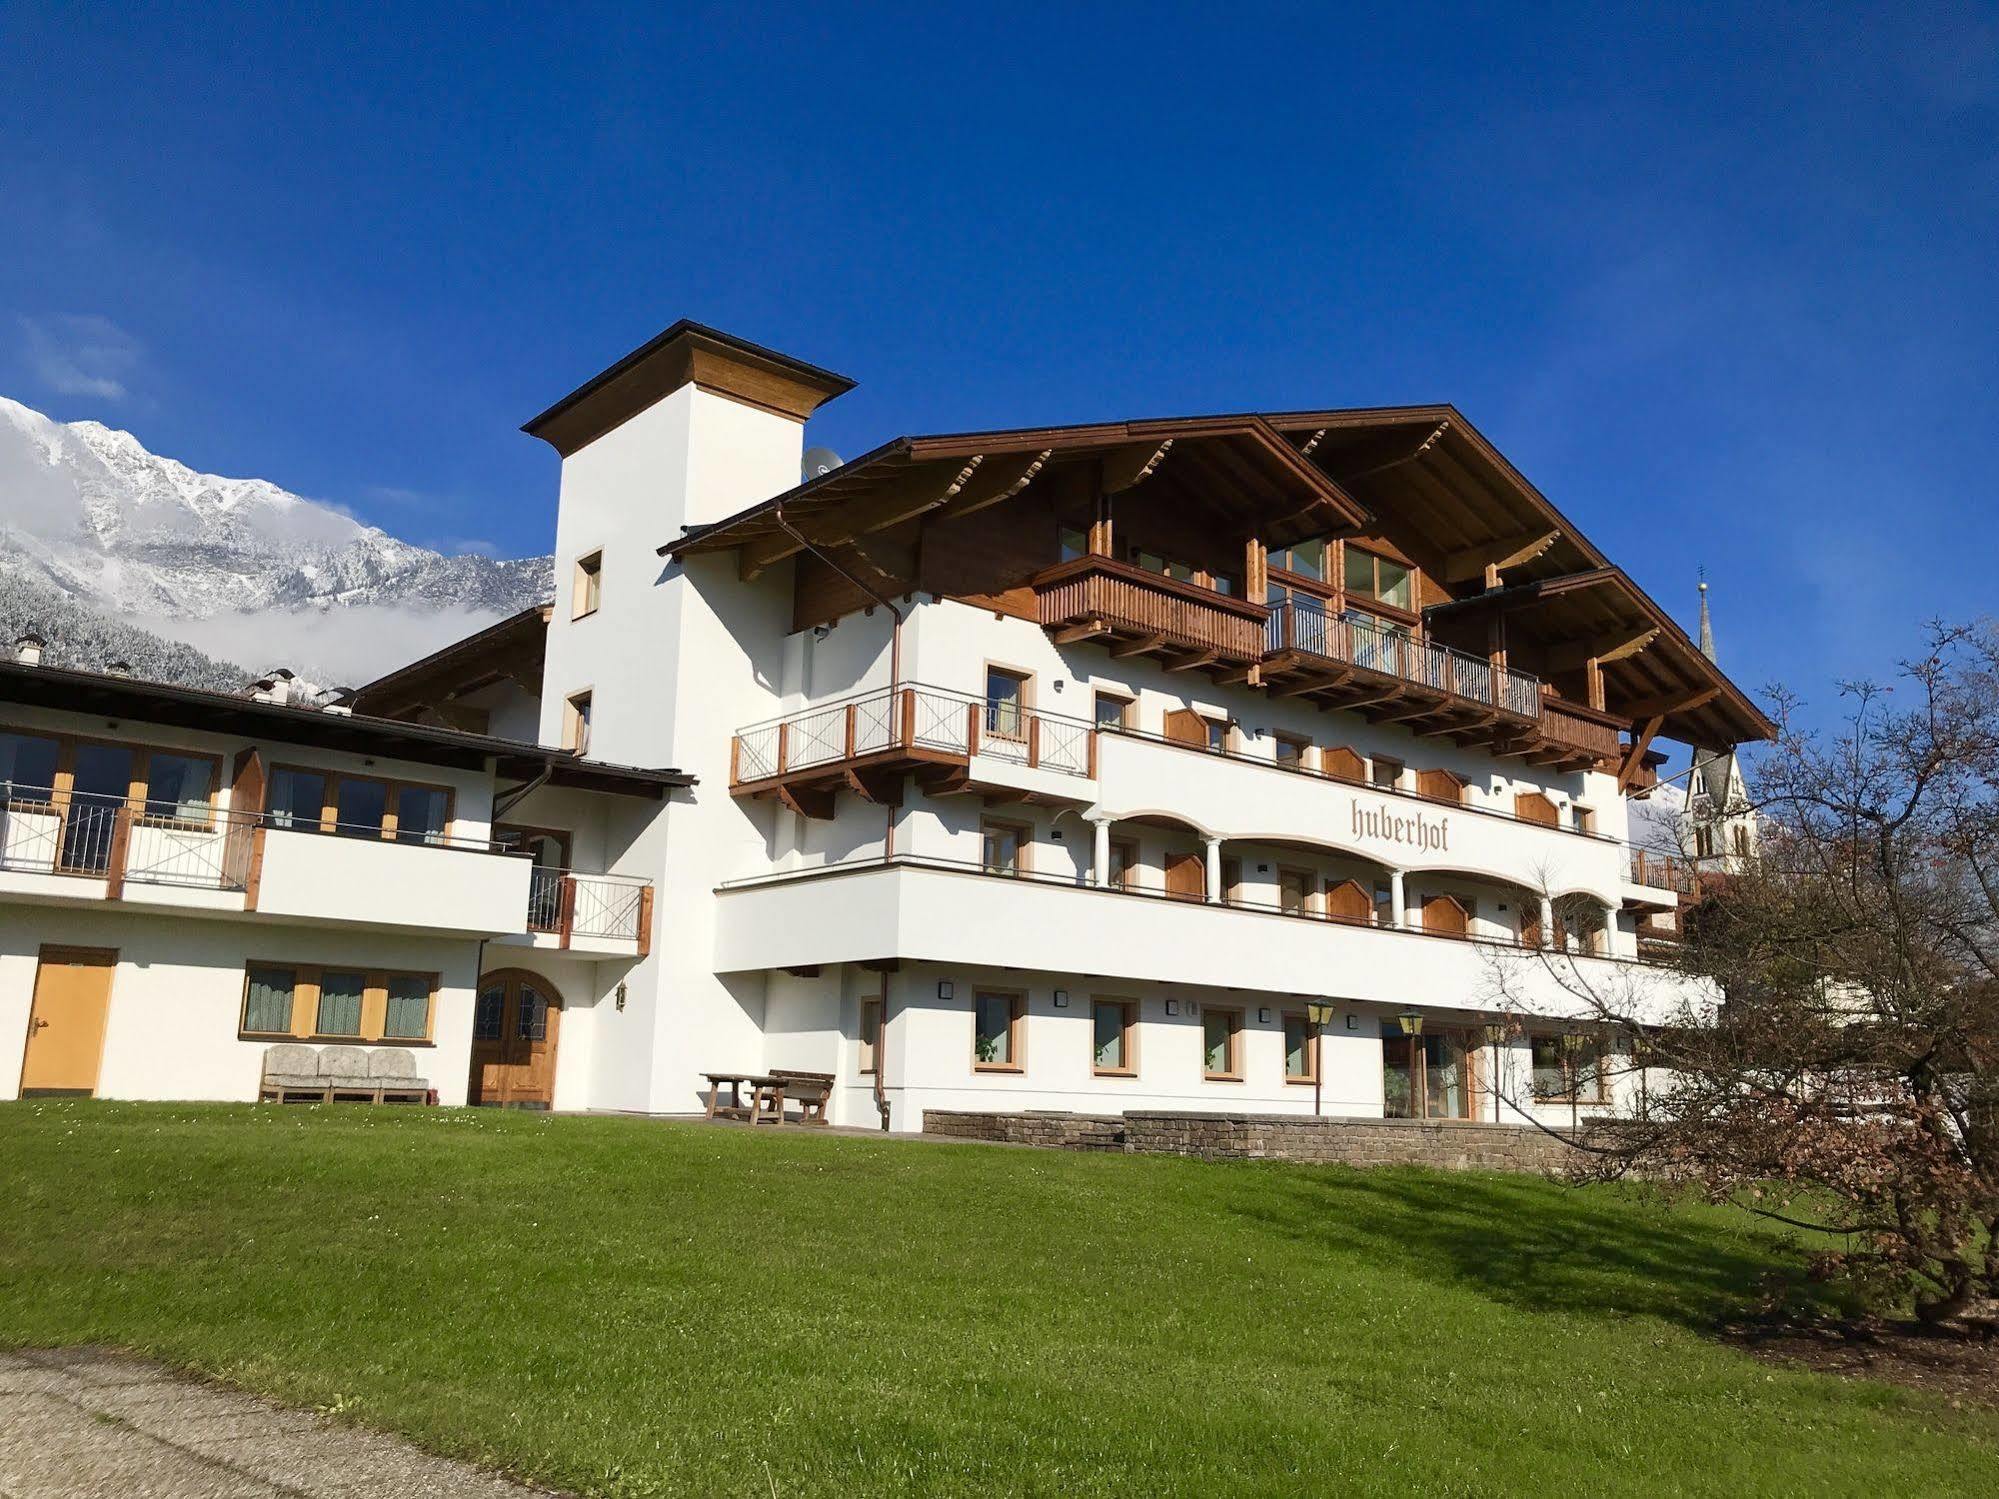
(1433, 472)
(509, 650)
(131, 700)
(1235, 474)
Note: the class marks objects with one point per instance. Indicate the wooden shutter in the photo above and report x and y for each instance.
(1185, 726)
(1530, 923)
(1350, 901)
(1342, 762)
(1440, 786)
(1187, 876)
(1531, 806)
(1443, 914)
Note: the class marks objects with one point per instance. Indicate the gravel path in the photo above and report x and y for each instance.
(79, 1423)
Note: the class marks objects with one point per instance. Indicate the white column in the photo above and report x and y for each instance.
(1100, 852)
(1214, 846)
(1547, 922)
(1395, 907)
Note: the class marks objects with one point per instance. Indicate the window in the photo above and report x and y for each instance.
(1186, 726)
(1704, 841)
(489, 1013)
(531, 1023)
(1115, 1025)
(267, 1001)
(1307, 559)
(576, 724)
(359, 805)
(297, 798)
(871, 1034)
(1123, 870)
(1006, 703)
(1581, 819)
(180, 786)
(27, 763)
(1570, 1067)
(1383, 771)
(406, 1016)
(1738, 840)
(1003, 842)
(1301, 1049)
(588, 589)
(1072, 542)
(1221, 1032)
(314, 1003)
(1294, 892)
(996, 1027)
(1115, 711)
(1184, 572)
(340, 994)
(422, 813)
(1372, 577)
(1291, 749)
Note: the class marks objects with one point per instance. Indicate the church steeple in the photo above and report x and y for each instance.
(1707, 625)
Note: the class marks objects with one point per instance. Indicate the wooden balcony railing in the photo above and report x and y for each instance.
(1659, 871)
(1102, 596)
(1595, 734)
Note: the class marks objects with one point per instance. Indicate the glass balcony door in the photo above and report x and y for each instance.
(1428, 1076)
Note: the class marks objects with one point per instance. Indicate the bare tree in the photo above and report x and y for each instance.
(1831, 1059)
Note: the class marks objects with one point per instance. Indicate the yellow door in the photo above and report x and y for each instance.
(66, 1021)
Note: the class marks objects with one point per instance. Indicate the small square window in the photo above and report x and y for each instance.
(1114, 710)
(1383, 771)
(588, 590)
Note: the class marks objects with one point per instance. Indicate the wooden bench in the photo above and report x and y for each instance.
(811, 1091)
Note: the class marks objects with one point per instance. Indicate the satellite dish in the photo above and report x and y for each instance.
(818, 461)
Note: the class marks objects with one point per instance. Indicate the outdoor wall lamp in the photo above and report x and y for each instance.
(1411, 1022)
(621, 996)
(1061, 999)
(944, 989)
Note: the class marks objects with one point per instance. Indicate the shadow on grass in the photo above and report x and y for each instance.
(1542, 1246)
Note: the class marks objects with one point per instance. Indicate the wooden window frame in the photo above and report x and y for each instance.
(1127, 710)
(1371, 601)
(392, 789)
(1023, 843)
(578, 719)
(1311, 1074)
(1016, 1030)
(586, 588)
(868, 1039)
(1128, 1036)
(1236, 1018)
(1301, 744)
(1026, 702)
(138, 782)
(306, 979)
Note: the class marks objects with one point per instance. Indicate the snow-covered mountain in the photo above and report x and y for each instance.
(238, 567)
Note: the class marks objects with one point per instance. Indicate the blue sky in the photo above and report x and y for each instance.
(1725, 287)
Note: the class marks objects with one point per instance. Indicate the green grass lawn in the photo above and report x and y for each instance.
(631, 1307)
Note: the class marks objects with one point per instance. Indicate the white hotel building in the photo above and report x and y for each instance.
(1063, 769)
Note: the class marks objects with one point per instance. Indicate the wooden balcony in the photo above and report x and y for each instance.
(867, 744)
(1146, 613)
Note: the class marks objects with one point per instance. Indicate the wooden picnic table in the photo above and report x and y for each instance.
(766, 1096)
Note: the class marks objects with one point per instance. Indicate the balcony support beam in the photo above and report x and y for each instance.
(1142, 645)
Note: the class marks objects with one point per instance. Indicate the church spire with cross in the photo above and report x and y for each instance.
(1721, 822)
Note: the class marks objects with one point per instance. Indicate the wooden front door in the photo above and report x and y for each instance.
(66, 1021)
(514, 1024)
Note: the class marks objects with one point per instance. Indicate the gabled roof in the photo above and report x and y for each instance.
(1238, 468)
(511, 647)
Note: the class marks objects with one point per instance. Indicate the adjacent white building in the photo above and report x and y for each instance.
(1157, 764)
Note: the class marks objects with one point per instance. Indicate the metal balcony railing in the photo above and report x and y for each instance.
(910, 718)
(1304, 624)
(614, 907)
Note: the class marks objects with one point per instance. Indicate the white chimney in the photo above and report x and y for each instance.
(118, 668)
(28, 648)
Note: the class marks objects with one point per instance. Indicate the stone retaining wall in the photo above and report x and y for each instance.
(1269, 1137)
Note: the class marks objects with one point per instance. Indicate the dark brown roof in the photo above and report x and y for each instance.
(514, 645)
(130, 698)
(688, 352)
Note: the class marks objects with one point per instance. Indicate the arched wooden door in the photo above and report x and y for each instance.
(514, 1025)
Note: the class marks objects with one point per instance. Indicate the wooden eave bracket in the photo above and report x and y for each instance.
(1634, 757)
(1126, 468)
(1468, 563)
(1602, 650)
